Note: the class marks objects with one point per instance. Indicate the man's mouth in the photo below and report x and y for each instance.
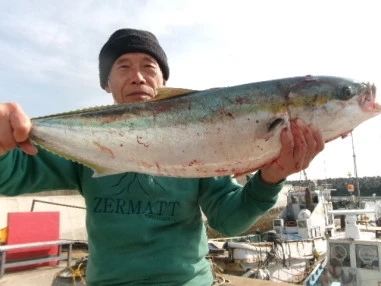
(138, 96)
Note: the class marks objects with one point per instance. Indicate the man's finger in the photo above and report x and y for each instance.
(287, 141)
(300, 145)
(310, 146)
(20, 125)
(28, 147)
(318, 139)
(7, 141)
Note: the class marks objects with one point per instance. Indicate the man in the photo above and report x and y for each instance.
(147, 230)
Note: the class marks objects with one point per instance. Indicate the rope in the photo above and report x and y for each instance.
(57, 204)
(218, 278)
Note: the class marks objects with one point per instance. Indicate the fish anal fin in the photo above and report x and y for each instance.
(250, 171)
(235, 176)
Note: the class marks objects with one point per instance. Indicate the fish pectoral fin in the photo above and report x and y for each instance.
(275, 123)
(168, 92)
(102, 172)
(345, 135)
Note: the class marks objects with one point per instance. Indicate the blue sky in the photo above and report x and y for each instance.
(49, 53)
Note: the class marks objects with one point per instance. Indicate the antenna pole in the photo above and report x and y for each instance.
(355, 168)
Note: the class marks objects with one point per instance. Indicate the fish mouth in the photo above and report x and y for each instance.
(368, 99)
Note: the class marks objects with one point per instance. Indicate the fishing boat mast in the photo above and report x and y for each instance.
(355, 169)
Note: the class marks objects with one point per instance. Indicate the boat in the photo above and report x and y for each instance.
(353, 254)
(291, 250)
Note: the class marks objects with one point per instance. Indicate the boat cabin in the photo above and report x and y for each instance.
(353, 256)
(306, 214)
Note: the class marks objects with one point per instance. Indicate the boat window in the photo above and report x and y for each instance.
(367, 256)
(277, 222)
(339, 254)
(302, 223)
(294, 199)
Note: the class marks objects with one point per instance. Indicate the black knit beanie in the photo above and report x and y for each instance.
(130, 41)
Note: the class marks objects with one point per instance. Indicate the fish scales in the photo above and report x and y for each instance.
(214, 132)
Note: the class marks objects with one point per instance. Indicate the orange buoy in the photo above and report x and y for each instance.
(350, 188)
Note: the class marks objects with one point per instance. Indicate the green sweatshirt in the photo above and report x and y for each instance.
(143, 229)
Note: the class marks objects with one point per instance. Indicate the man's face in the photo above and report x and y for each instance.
(134, 77)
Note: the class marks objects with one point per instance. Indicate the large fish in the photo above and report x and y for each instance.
(215, 132)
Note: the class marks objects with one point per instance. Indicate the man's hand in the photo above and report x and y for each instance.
(300, 144)
(15, 127)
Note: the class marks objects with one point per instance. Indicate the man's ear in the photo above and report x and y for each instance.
(107, 88)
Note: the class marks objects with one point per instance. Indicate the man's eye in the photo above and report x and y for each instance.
(124, 67)
(150, 66)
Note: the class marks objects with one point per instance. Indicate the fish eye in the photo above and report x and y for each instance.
(347, 92)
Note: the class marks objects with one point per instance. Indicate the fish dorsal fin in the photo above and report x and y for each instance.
(162, 93)
(168, 92)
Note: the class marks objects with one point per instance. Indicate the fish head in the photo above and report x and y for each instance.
(335, 105)
(365, 94)
(358, 98)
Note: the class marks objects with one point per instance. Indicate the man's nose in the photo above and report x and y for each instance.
(137, 77)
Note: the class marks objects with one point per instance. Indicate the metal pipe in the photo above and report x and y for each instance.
(355, 170)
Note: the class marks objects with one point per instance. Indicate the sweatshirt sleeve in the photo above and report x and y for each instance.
(232, 209)
(21, 173)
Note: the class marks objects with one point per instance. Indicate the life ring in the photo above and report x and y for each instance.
(290, 223)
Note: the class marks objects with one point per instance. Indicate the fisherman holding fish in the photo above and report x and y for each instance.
(146, 229)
